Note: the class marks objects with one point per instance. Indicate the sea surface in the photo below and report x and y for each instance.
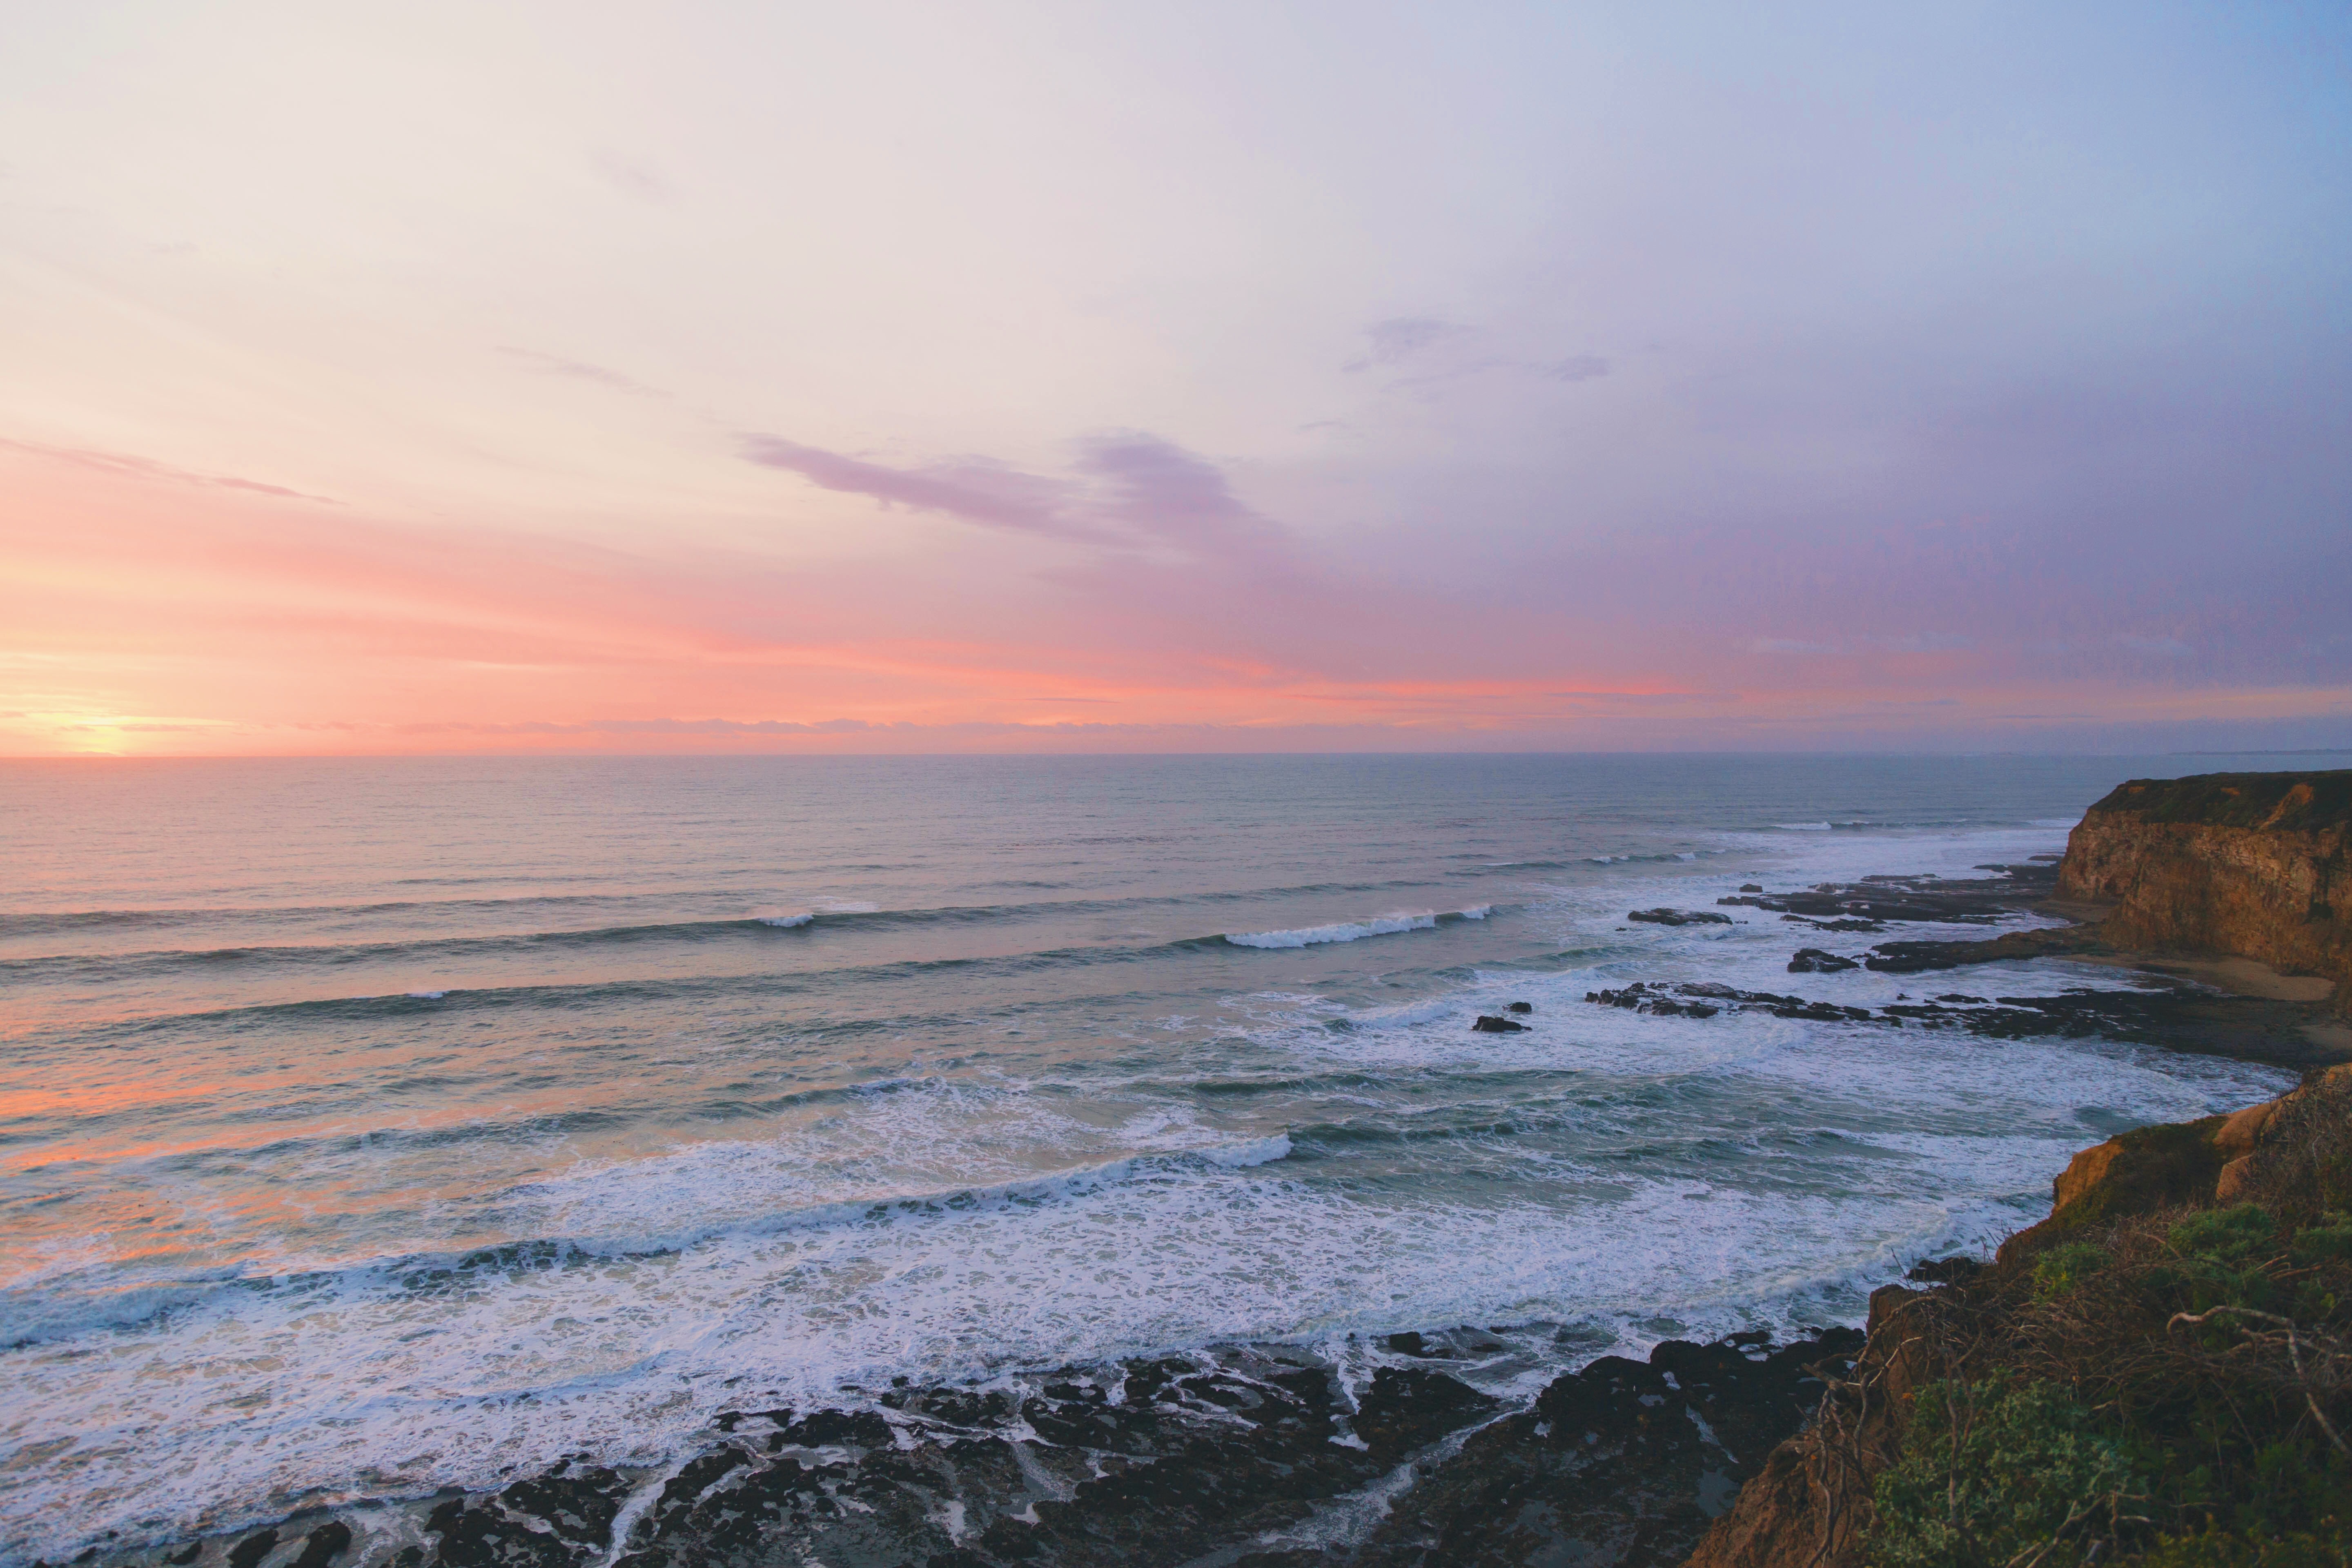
(372, 1126)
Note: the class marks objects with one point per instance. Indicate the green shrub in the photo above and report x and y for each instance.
(2061, 1268)
(2000, 1472)
(2220, 1255)
(2329, 1235)
(2223, 1549)
(2234, 1236)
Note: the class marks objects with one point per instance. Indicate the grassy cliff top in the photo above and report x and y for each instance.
(2302, 802)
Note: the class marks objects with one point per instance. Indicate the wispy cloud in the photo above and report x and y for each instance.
(629, 176)
(1402, 338)
(1575, 367)
(648, 727)
(1126, 489)
(1162, 490)
(1424, 352)
(975, 489)
(147, 468)
(581, 369)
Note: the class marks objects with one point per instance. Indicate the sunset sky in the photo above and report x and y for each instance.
(735, 377)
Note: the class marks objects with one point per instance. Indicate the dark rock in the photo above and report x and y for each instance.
(836, 1428)
(1814, 960)
(1522, 1007)
(1664, 917)
(577, 1504)
(252, 1549)
(1643, 997)
(1619, 1466)
(1972, 902)
(1945, 1270)
(324, 1544)
(1494, 1023)
(186, 1554)
(1751, 886)
(1917, 957)
(1406, 1407)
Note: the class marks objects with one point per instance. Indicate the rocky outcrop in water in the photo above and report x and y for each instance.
(2249, 864)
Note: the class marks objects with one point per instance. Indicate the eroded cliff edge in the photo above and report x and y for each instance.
(2251, 865)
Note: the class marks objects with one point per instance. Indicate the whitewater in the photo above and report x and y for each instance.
(378, 1126)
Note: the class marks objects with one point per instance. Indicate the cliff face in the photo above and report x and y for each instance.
(2250, 864)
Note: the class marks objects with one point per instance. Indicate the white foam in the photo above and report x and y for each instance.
(1803, 826)
(1341, 930)
(1477, 912)
(426, 995)
(1256, 1152)
(798, 918)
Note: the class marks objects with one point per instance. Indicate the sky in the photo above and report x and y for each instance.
(781, 377)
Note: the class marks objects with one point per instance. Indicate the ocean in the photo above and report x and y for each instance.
(373, 1126)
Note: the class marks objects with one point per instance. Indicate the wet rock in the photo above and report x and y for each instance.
(1494, 1023)
(1520, 1008)
(1967, 901)
(1665, 917)
(324, 1544)
(1916, 957)
(1751, 886)
(1406, 1408)
(1841, 926)
(1640, 997)
(1619, 1466)
(1945, 1270)
(1678, 1001)
(1815, 961)
(252, 1549)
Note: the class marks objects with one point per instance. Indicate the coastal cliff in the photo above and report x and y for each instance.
(2252, 864)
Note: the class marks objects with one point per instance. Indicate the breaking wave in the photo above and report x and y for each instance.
(1355, 931)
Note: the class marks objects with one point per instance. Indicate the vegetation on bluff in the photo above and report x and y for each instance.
(2143, 1379)
(2295, 803)
(2168, 1385)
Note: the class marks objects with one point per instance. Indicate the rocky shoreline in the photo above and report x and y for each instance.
(1254, 1457)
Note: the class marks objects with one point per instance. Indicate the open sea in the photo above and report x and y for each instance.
(371, 1126)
